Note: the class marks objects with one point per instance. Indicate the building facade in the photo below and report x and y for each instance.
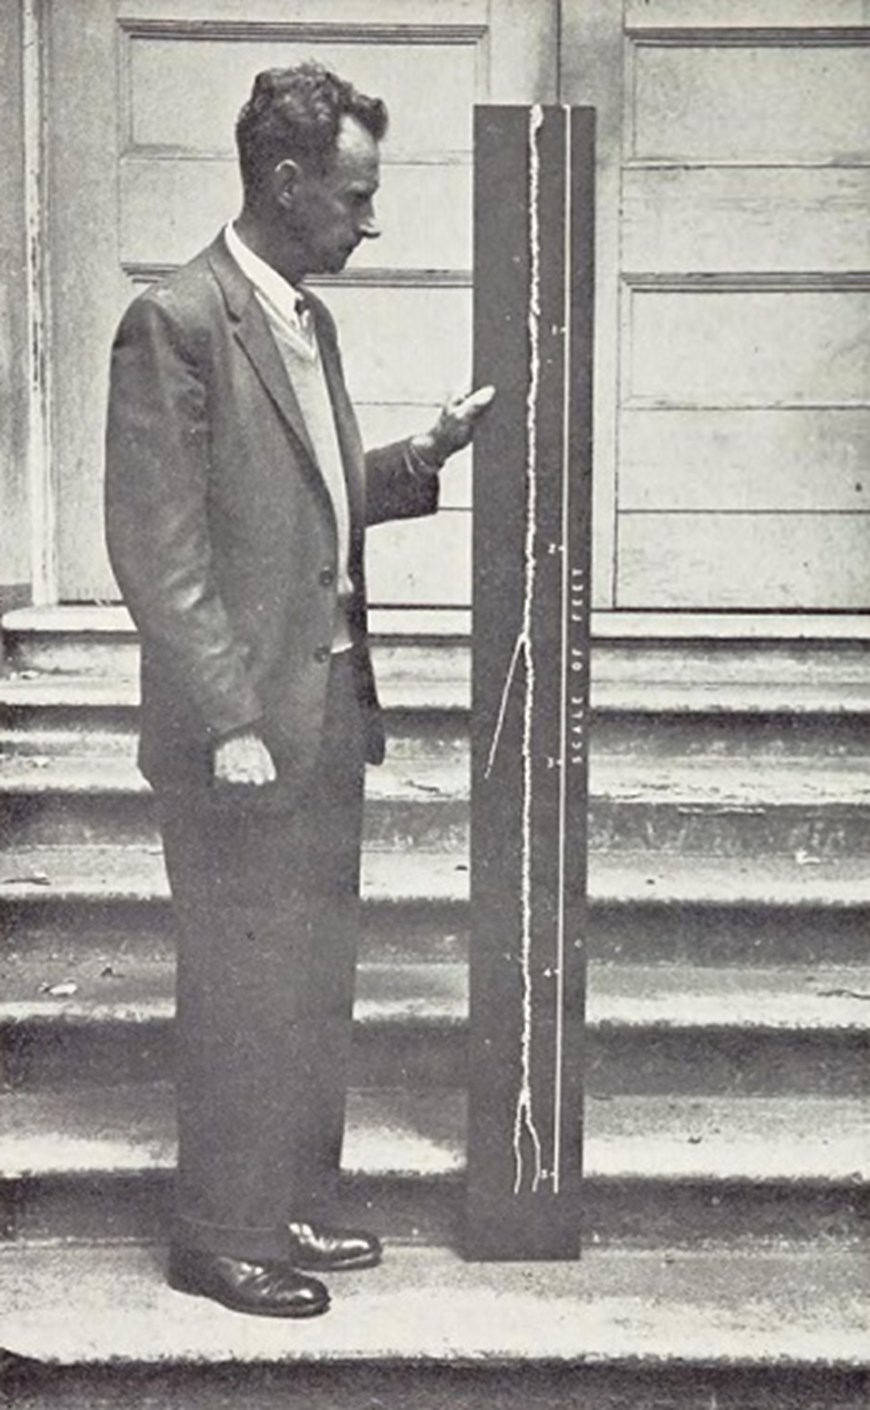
(732, 433)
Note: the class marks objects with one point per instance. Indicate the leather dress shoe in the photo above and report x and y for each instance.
(325, 1250)
(265, 1288)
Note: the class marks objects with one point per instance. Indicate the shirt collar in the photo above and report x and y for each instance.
(273, 287)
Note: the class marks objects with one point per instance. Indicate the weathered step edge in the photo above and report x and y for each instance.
(788, 1141)
(641, 1310)
(657, 998)
(42, 874)
(406, 683)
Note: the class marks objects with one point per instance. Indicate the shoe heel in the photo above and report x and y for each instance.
(178, 1273)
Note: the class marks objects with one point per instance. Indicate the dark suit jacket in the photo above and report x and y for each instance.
(221, 529)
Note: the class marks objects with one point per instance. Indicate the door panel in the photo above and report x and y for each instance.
(757, 103)
(157, 217)
(217, 68)
(740, 562)
(146, 174)
(731, 219)
(739, 348)
(773, 461)
(733, 398)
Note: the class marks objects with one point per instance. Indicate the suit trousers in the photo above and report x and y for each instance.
(265, 890)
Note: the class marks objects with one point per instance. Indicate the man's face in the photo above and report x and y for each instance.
(333, 211)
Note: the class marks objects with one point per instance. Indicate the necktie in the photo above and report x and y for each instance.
(306, 322)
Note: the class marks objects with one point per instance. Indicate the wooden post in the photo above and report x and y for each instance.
(534, 179)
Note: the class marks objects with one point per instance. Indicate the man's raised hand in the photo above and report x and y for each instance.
(454, 428)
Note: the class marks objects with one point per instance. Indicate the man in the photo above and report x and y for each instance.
(237, 494)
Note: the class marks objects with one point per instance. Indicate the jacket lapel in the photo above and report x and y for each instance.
(346, 424)
(252, 331)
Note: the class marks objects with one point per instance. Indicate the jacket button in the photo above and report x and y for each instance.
(322, 654)
(327, 577)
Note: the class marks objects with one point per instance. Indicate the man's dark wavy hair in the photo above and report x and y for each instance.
(297, 113)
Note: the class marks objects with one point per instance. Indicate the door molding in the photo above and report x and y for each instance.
(40, 477)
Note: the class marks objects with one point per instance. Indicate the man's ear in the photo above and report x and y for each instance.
(285, 179)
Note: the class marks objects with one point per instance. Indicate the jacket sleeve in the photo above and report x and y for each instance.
(156, 516)
(394, 490)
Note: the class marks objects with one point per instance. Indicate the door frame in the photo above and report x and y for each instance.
(42, 491)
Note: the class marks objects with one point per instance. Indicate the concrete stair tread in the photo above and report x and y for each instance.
(35, 774)
(740, 997)
(100, 618)
(143, 991)
(751, 783)
(411, 676)
(644, 625)
(95, 1305)
(131, 873)
(137, 873)
(439, 678)
(128, 1129)
(67, 689)
(442, 776)
(664, 997)
(754, 698)
(693, 781)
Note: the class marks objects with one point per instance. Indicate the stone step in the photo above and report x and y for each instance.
(671, 997)
(136, 873)
(815, 808)
(663, 1028)
(804, 882)
(70, 929)
(621, 1328)
(110, 904)
(86, 1158)
(60, 713)
(822, 652)
(415, 800)
(806, 713)
(100, 645)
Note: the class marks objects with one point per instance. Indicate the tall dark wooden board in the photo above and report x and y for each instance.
(534, 180)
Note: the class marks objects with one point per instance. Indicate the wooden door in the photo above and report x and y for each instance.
(733, 378)
(142, 99)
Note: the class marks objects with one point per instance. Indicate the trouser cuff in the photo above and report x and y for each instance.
(237, 1241)
(230, 1240)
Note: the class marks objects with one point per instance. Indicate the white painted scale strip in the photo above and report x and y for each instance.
(563, 739)
(524, 1119)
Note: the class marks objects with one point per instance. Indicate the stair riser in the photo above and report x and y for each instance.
(70, 820)
(640, 1060)
(94, 730)
(729, 935)
(102, 654)
(648, 933)
(726, 831)
(95, 734)
(732, 736)
(424, 1386)
(119, 932)
(644, 1214)
(49, 1055)
(432, 824)
(90, 731)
